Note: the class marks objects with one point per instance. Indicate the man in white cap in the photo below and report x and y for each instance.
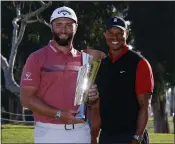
(48, 84)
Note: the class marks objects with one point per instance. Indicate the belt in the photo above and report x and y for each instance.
(60, 126)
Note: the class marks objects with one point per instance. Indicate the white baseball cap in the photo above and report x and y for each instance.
(63, 12)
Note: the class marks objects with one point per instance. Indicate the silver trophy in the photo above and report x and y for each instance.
(86, 76)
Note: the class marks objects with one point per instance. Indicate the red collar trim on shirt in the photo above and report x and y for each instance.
(52, 45)
(124, 50)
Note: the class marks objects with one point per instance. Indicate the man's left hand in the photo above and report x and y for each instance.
(93, 94)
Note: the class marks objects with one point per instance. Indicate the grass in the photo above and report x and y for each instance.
(24, 134)
(150, 125)
(17, 135)
(161, 138)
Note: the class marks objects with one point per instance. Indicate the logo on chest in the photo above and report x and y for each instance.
(122, 71)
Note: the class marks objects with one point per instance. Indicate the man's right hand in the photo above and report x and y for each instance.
(93, 94)
(68, 116)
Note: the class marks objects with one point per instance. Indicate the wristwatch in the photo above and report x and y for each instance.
(138, 138)
(58, 114)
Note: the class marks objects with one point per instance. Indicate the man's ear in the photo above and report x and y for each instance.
(51, 28)
(104, 33)
(76, 27)
(127, 33)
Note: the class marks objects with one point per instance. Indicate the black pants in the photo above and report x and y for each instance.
(120, 138)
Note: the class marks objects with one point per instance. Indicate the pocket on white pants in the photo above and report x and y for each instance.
(40, 132)
(87, 128)
(86, 135)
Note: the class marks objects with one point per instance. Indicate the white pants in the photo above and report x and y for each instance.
(56, 133)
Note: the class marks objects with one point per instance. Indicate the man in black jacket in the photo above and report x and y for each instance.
(125, 84)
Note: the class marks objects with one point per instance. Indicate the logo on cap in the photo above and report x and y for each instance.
(115, 20)
(64, 12)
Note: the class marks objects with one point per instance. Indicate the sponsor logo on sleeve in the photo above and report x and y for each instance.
(28, 76)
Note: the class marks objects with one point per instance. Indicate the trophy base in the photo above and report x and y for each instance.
(81, 114)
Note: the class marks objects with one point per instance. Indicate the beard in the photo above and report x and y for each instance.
(61, 41)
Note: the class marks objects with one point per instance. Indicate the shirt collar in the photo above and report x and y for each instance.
(124, 50)
(52, 44)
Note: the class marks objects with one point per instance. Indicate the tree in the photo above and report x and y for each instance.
(152, 24)
(20, 23)
(8, 66)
